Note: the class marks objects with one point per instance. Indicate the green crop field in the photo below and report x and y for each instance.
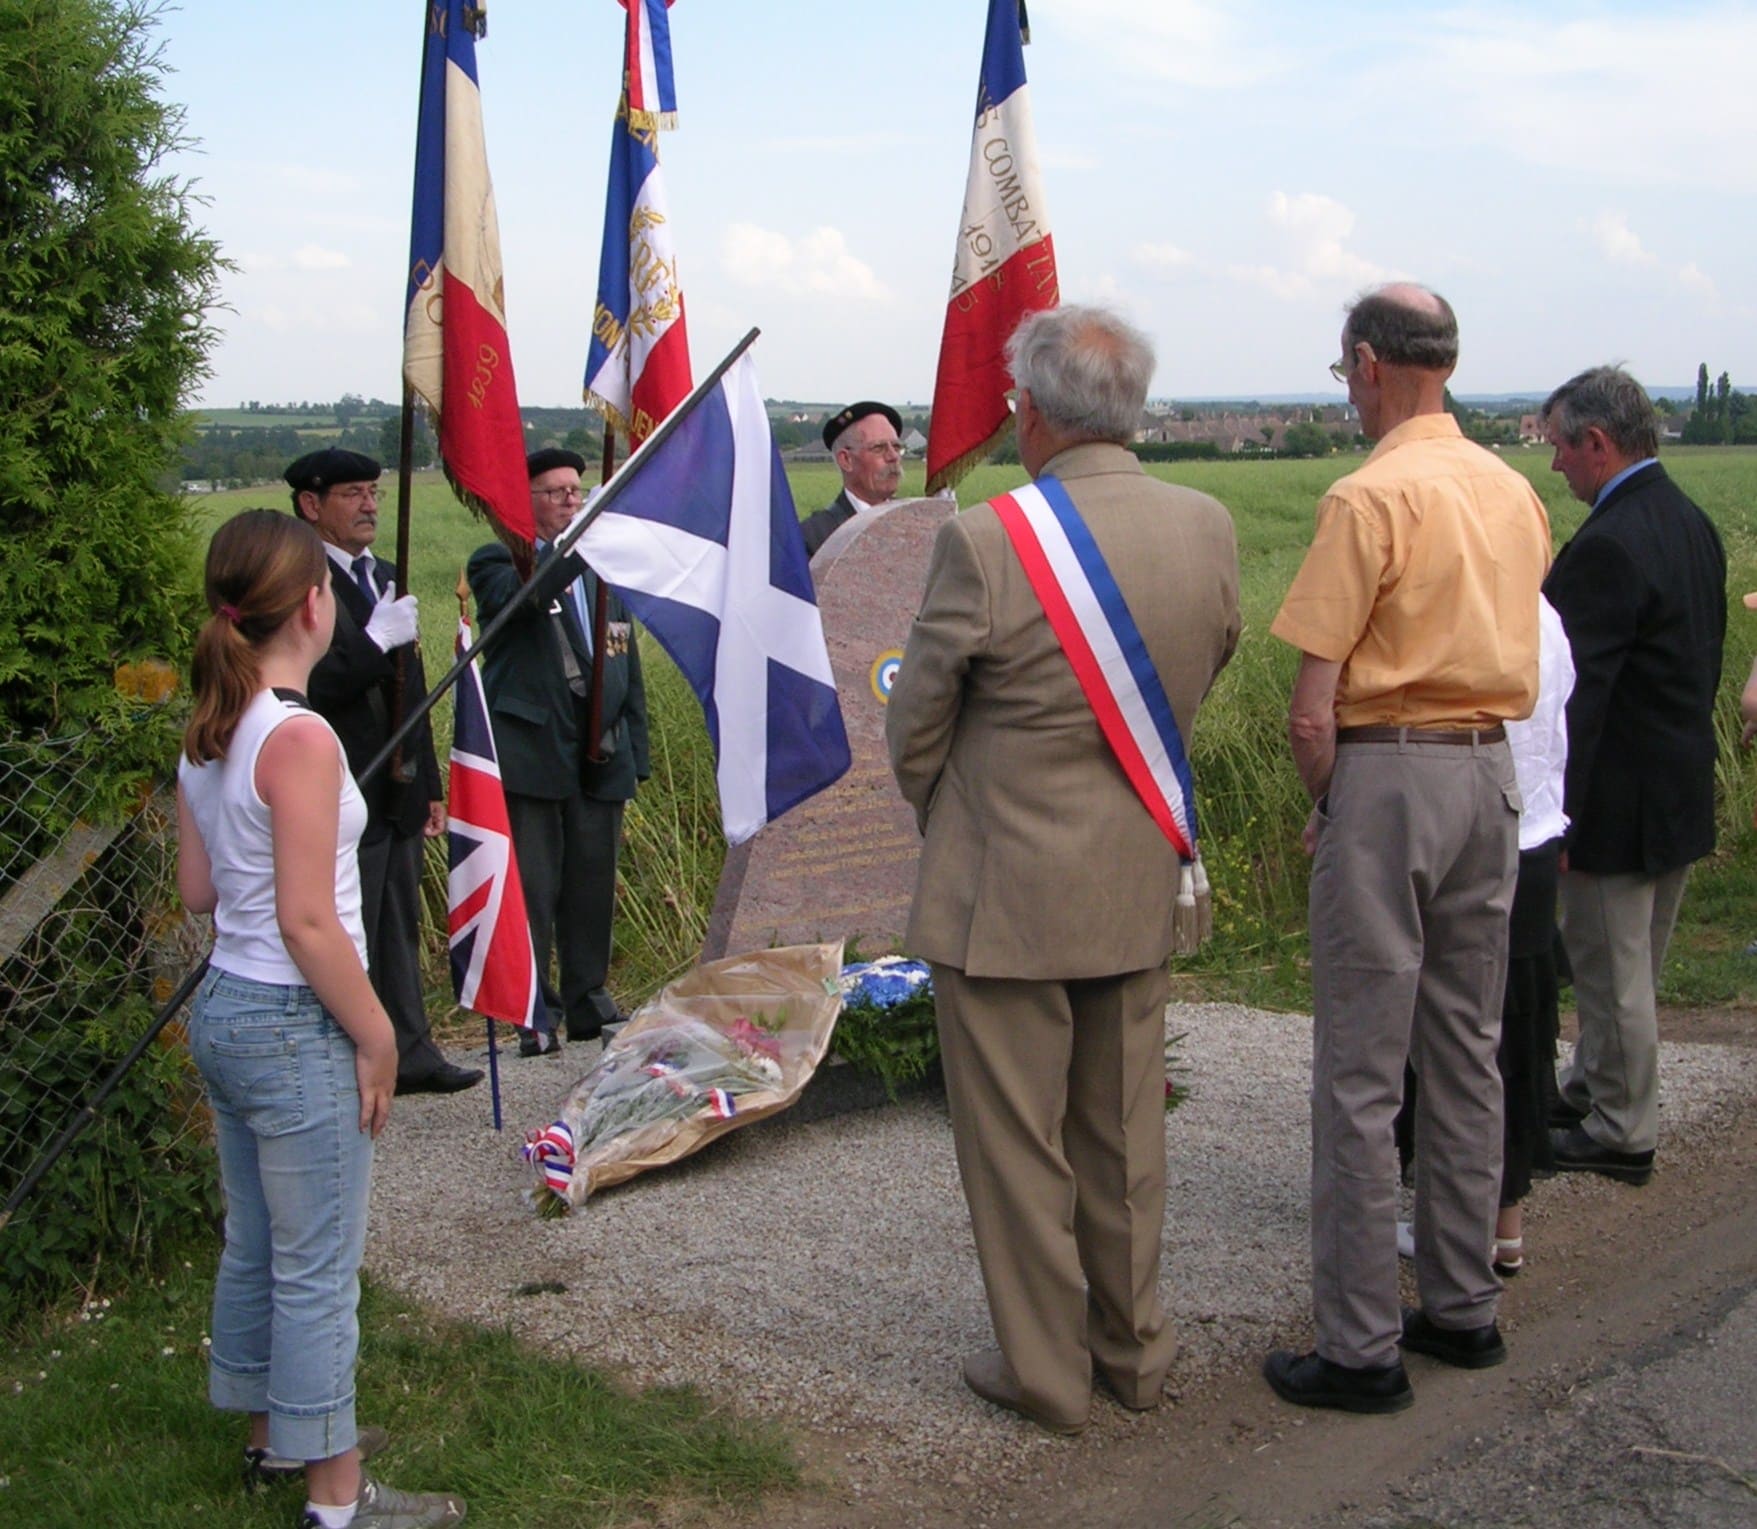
(1249, 797)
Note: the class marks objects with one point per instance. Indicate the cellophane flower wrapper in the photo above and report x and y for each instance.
(730, 1043)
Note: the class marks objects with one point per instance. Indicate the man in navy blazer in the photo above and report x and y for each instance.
(352, 689)
(1641, 590)
(565, 791)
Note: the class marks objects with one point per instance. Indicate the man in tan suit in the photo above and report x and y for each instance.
(1046, 892)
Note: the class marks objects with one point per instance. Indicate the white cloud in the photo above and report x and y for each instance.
(1186, 42)
(1619, 242)
(1161, 257)
(313, 257)
(308, 257)
(820, 262)
(318, 181)
(1584, 93)
(1698, 281)
(1314, 232)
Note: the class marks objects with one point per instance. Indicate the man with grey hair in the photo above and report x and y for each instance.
(1045, 893)
(1641, 590)
(1416, 616)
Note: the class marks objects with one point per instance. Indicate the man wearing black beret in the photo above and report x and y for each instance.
(352, 689)
(565, 789)
(864, 439)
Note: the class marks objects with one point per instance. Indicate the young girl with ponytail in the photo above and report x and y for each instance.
(296, 1051)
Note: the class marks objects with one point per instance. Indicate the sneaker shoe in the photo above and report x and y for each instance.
(1310, 1380)
(1405, 1239)
(382, 1507)
(1468, 1348)
(262, 1467)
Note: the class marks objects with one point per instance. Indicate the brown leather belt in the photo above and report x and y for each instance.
(1464, 738)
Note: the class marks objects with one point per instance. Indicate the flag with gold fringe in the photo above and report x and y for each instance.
(637, 367)
(1005, 265)
(455, 353)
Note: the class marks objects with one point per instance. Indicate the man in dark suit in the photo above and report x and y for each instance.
(864, 440)
(1641, 590)
(352, 689)
(565, 789)
(1045, 896)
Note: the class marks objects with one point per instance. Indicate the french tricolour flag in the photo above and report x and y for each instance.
(1005, 267)
(637, 368)
(704, 547)
(493, 970)
(455, 354)
(652, 96)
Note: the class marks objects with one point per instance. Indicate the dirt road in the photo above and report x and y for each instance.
(1630, 1397)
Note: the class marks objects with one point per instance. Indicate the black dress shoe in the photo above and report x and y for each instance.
(1563, 1116)
(1469, 1348)
(584, 1032)
(1576, 1152)
(539, 1043)
(1310, 1380)
(447, 1078)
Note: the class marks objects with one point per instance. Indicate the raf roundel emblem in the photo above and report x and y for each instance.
(884, 673)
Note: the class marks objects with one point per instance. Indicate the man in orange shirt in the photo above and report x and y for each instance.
(1416, 615)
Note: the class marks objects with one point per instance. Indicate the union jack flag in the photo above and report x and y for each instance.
(493, 970)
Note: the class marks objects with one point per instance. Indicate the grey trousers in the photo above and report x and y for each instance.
(1057, 1096)
(1616, 929)
(567, 853)
(1410, 893)
(390, 907)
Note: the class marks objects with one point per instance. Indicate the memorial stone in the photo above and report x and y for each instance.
(842, 865)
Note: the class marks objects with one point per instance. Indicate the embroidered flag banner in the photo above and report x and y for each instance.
(1005, 265)
(455, 353)
(652, 96)
(704, 547)
(1092, 621)
(637, 367)
(493, 969)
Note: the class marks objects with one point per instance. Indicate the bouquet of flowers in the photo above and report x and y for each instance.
(887, 1024)
(733, 1041)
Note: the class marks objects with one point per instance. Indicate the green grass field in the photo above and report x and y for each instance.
(1249, 798)
(105, 1419)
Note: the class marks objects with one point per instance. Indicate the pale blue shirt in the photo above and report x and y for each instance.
(576, 593)
(1633, 467)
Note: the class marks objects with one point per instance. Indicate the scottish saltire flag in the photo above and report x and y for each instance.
(493, 970)
(1005, 266)
(1092, 621)
(652, 96)
(704, 547)
(455, 354)
(637, 368)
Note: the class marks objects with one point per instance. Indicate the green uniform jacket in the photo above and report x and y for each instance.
(539, 725)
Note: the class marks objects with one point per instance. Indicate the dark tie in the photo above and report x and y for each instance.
(363, 577)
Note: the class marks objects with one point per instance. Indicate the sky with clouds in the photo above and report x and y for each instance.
(1576, 178)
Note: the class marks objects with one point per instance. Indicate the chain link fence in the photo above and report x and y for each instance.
(93, 940)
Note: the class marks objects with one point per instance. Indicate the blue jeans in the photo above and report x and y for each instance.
(296, 1168)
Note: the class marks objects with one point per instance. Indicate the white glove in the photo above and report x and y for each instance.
(392, 622)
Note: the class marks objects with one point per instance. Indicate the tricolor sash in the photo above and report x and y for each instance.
(1091, 620)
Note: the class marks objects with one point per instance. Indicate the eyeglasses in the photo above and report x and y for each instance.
(881, 448)
(354, 493)
(1340, 370)
(560, 495)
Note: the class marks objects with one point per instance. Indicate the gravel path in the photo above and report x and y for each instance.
(825, 1272)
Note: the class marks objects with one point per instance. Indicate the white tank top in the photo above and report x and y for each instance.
(234, 824)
